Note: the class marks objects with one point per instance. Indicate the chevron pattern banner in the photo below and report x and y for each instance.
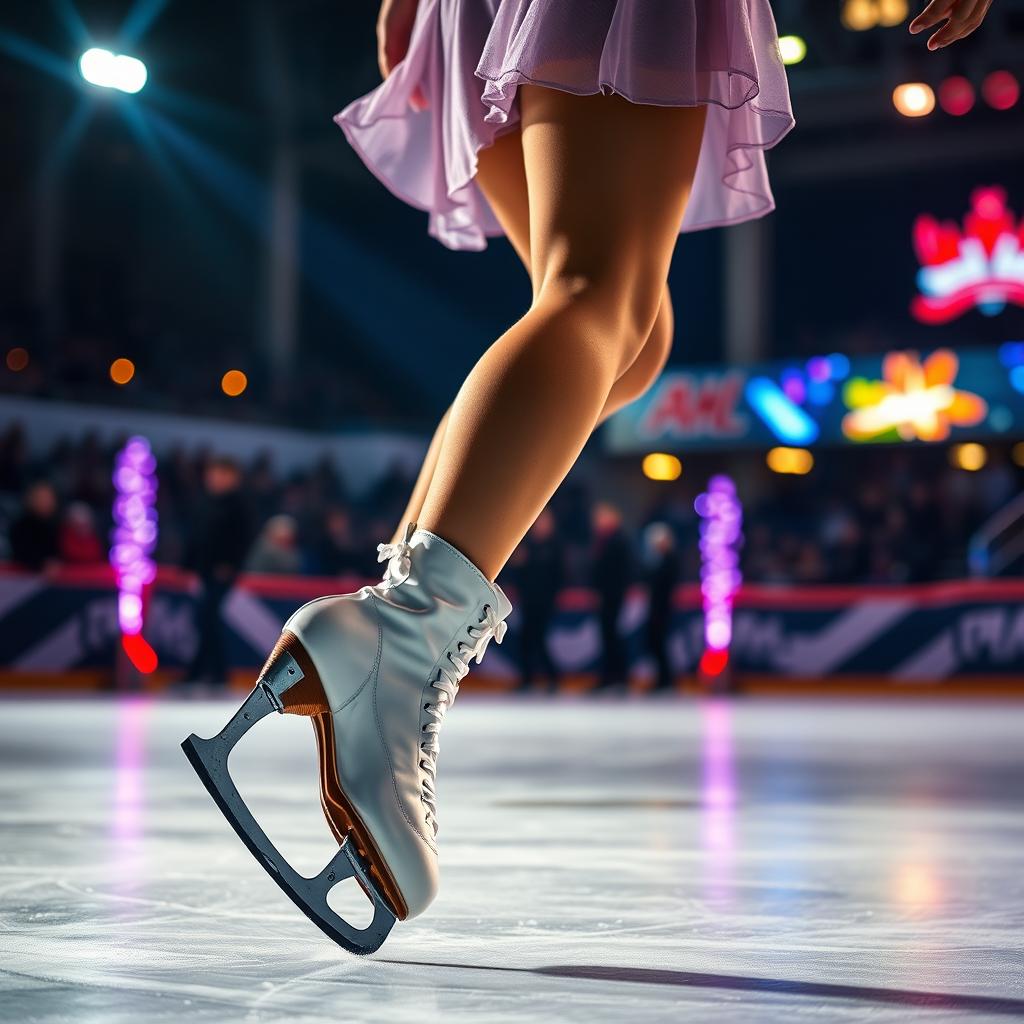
(66, 623)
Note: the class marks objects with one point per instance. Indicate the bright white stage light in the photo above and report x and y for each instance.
(112, 70)
(792, 49)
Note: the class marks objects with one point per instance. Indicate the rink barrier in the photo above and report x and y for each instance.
(59, 630)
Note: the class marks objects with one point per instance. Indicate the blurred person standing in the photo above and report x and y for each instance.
(663, 571)
(34, 533)
(997, 484)
(13, 459)
(612, 574)
(78, 542)
(339, 554)
(276, 550)
(541, 575)
(220, 537)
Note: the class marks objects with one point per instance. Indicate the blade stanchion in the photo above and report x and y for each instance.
(209, 758)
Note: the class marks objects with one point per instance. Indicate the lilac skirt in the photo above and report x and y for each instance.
(469, 58)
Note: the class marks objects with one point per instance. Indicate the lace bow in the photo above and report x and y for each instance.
(399, 558)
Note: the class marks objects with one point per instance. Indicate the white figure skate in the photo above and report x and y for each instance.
(375, 671)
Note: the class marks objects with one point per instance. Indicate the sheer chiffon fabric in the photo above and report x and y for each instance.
(469, 57)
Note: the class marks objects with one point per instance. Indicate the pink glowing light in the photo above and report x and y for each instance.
(720, 539)
(133, 540)
(718, 799)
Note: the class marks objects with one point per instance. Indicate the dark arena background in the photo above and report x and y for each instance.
(752, 747)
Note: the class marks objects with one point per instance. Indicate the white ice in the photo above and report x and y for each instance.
(639, 860)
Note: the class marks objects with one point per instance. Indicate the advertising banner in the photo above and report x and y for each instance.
(902, 396)
(61, 628)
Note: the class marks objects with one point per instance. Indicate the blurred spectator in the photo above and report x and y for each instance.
(339, 555)
(13, 459)
(220, 539)
(78, 541)
(890, 515)
(276, 549)
(540, 575)
(33, 535)
(663, 570)
(996, 484)
(612, 574)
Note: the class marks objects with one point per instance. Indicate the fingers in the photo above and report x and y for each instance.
(961, 17)
(936, 11)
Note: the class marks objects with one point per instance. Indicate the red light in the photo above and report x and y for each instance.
(1001, 90)
(140, 654)
(956, 95)
(712, 663)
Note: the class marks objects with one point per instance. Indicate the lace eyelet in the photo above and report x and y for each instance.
(426, 707)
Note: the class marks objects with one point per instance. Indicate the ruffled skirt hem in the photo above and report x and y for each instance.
(469, 58)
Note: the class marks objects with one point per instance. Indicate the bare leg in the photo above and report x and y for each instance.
(426, 473)
(501, 174)
(608, 182)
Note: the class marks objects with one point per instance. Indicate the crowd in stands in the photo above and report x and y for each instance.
(905, 517)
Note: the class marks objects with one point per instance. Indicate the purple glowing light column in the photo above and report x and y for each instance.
(720, 538)
(134, 538)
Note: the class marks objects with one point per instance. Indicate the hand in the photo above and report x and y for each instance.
(394, 30)
(961, 18)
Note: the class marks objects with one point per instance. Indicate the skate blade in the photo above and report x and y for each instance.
(209, 758)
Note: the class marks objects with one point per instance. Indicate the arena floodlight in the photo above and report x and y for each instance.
(108, 70)
(792, 49)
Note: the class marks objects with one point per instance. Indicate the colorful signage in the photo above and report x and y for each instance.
(914, 401)
(902, 396)
(979, 267)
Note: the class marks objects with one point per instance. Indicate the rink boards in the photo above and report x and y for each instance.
(61, 630)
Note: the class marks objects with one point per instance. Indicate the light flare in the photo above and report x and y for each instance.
(720, 538)
(132, 542)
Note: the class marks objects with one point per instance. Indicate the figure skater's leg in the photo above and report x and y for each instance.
(501, 174)
(608, 182)
(647, 367)
(501, 166)
(423, 478)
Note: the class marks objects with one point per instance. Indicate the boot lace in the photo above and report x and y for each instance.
(399, 559)
(451, 672)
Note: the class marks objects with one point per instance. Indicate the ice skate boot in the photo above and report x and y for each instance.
(375, 671)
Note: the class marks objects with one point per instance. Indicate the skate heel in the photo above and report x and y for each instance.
(293, 685)
(291, 680)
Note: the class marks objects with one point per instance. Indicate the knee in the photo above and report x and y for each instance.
(650, 361)
(618, 309)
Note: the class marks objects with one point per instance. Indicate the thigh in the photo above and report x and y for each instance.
(608, 181)
(501, 175)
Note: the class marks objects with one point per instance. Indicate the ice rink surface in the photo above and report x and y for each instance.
(626, 861)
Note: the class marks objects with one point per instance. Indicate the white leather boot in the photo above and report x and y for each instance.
(376, 671)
